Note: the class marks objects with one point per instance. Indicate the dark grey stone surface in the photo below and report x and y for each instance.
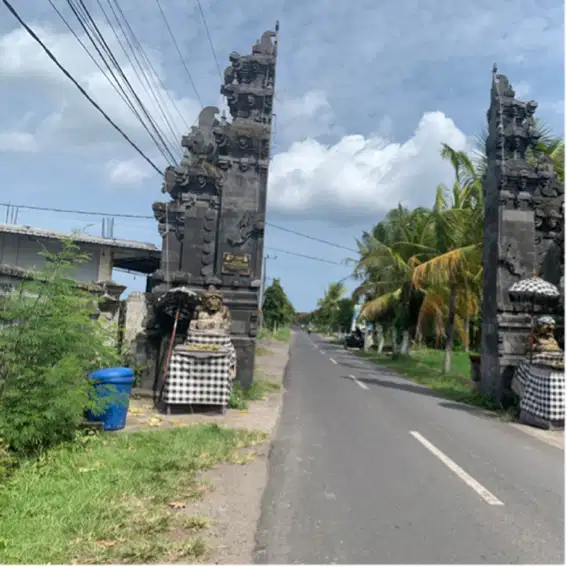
(213, 226)
(523, 234)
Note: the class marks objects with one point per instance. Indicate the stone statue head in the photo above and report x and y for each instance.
(212, 299)
(544, 326)
(544, 339)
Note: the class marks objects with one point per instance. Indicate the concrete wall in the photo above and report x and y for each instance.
(23, 252)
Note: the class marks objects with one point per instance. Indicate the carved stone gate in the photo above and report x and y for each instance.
(523, 233)
(213, 226)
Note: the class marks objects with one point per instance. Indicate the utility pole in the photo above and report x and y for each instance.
(263, 289)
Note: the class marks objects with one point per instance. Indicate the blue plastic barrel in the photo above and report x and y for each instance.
(112, 387)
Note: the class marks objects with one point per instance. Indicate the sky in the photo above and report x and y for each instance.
(366, 93)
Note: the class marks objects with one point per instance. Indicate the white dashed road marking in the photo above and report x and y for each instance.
(358, 382)
(484, 493)
(333, 360)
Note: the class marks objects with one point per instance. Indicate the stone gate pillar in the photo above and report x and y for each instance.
(213, 226)
(523, 232)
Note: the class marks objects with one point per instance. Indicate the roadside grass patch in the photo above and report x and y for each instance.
(263, 351)
(283, 334)
(113, 498)
(260, 388)
(424, 367)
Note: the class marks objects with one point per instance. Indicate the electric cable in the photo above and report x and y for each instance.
(48, 52)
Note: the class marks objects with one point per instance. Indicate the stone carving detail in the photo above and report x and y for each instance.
(211, 314)
(511, 259)
(523, 231)
(247, 225)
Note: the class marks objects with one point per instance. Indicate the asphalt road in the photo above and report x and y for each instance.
(368, 467)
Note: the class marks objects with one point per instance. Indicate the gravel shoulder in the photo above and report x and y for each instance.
(231, 503)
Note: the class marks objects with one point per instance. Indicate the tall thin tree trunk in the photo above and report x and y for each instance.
(404, 347)
(418, 336)
(467, 337)
(450, 330)
(380, 338)
(394, 341)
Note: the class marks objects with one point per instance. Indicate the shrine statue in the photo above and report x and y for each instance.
(211, 314)
(539, 380)
(544, 339)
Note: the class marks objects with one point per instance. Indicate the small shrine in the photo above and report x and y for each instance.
(540, 379)
(199, 371)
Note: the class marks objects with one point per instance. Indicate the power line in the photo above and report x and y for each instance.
(147, 62)
(210, 40)
(141, 76)
(81, 89)
(179, 52)
(77, 211)
(116, 83)
(312, 237)
(316, 258)
(149, 217)
(86, 20)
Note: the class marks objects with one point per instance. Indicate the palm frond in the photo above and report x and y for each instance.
(378, 306)
(443, 269)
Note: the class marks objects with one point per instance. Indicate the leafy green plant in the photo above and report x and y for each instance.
(260, 388)
(277, 309)
(50, 339)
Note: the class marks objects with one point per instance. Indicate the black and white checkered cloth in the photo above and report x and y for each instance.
(543, 391)
(201, 377)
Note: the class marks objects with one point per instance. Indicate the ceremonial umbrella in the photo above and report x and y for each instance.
(535, 290)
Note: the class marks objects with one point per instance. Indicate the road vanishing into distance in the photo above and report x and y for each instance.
(368, 467)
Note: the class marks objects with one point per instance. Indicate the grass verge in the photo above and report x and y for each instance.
(423, 367)
(263, 351)
(282, 335)
(114, 498)
(260, 388)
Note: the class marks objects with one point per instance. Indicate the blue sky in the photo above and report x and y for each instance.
(367, 91)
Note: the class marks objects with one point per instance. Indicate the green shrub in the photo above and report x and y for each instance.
(49, 340)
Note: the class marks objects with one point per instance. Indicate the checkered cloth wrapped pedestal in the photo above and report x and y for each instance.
(201, 377)
(543, 391)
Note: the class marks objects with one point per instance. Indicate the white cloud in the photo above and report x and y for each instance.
(128, 172)
(69, 120)
(307, 116)
(522, 89)
(363, 177)
(17, 142)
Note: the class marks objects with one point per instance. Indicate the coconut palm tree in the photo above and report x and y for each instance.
(329, 306)
(387, 257)
(449, 278)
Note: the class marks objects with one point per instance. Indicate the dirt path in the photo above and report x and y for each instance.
(233, 499)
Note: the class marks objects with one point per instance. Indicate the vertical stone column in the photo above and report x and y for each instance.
(218, 198)
(521, 195)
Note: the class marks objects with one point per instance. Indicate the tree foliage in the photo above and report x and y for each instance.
(277, 308)
(420, 270)
(49, 340)
(334, 311)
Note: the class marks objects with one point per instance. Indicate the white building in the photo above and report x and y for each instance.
(20, 248)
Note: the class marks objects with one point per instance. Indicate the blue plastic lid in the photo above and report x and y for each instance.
(117, 372)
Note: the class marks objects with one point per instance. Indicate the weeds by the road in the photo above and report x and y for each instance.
(263, 351)
(283, 334)
(114, 498)
(424, 367)
(260, 388)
